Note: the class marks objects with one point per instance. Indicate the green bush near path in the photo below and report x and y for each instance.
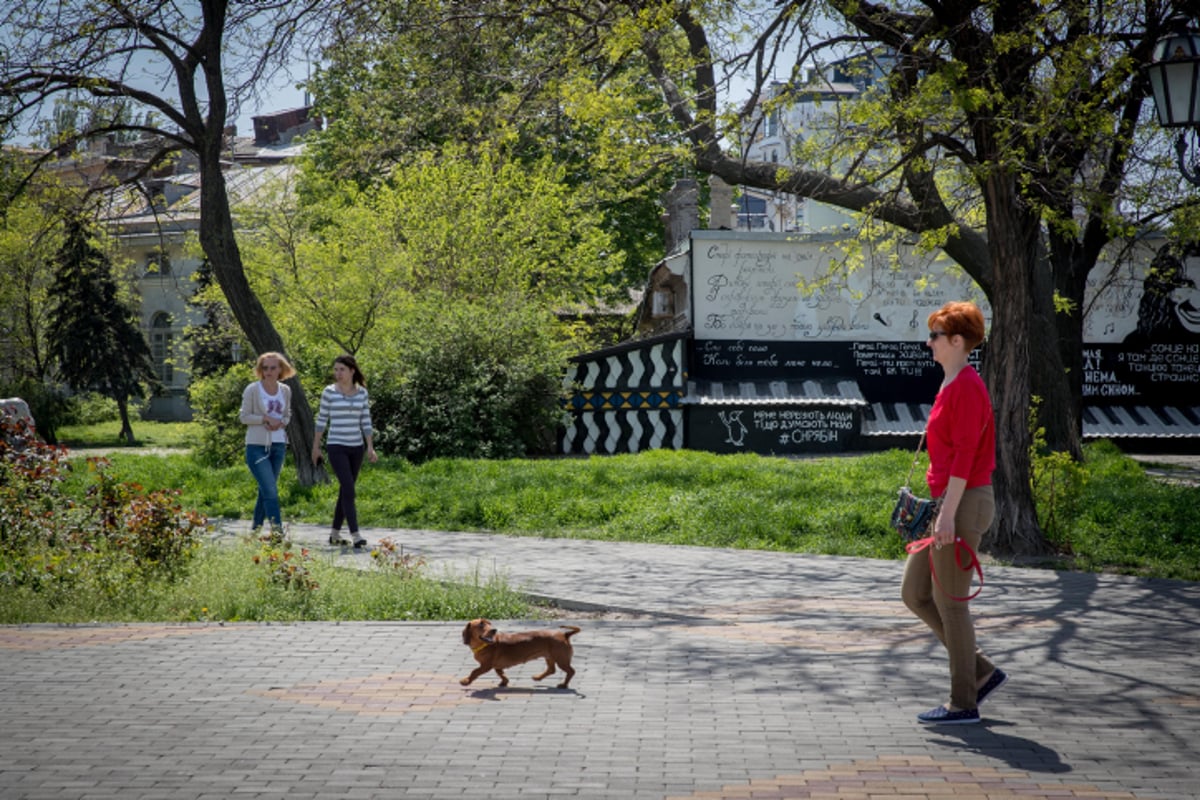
(83, 541)
(235, 584)
(1109, 517)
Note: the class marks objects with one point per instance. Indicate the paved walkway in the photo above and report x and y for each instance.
(730, 674)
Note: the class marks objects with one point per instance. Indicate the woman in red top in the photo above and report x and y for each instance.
(961, 436)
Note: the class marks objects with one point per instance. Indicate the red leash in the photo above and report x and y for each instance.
(959, 547)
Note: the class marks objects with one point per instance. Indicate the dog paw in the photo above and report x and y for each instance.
(465, 681)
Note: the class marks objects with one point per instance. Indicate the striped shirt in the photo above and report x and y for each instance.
(347, 418)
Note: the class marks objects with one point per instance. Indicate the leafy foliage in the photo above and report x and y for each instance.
(217, 400)
(448, 304)
(213, 343)
(1058, 483)
(415, 77)
(105, 542)
(94, 336)
(340, 270)
(471, 380)
(29, 238)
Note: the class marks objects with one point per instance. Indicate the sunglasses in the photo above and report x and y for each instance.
(933, 335)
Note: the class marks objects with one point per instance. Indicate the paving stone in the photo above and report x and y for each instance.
(727, 674)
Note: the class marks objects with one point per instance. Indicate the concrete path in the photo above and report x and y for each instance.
(726, 674)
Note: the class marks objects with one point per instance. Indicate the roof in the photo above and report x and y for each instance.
(182, 193)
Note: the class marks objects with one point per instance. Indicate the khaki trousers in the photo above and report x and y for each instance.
(950, 620)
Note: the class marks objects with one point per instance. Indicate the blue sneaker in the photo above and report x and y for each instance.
(944, 716)
(998, 679)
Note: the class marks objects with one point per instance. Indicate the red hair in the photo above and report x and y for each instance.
(960, 318)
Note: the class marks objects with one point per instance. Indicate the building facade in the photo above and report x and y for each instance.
(157, 229)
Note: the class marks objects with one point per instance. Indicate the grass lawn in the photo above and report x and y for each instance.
(1113, 518)
(175, 435)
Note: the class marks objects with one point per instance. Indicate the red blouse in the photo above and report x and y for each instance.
(961, 434)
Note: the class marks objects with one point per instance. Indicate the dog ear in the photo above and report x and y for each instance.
(467, 634)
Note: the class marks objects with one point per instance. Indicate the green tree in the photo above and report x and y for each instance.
(94, 337)
(1004, 132)
(29, 239)
(213, 344)
(405, 78)
(343, 269)
(443, 280)
(170, 65)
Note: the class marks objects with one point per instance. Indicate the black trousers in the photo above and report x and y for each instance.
(346, 462)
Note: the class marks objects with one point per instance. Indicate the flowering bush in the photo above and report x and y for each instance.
(115, 534)
(285, 566)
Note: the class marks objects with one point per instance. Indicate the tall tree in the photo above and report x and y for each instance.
(93, 335)
(405, 78)
(1030, 109)
(29, 239)
(346, 264)
(170, 61)
(1004, 131)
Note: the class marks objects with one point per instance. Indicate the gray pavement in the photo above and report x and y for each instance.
(719, 674)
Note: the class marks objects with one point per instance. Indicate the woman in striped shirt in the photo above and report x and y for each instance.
(346, 413)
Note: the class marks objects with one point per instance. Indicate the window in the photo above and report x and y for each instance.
(157, 263)
(773, 124)
(160, 347)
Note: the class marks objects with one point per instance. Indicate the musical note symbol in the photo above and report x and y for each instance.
(880, 319)
(1110, 327)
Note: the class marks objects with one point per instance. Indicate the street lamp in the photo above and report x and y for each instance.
(1174, 73)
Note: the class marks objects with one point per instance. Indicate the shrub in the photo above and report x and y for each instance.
(472, 382)
(1056, 482)
(90, 408)
(216, 401)
(50, 407)
(116, 537)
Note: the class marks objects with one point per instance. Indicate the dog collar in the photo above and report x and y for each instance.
(482, 646)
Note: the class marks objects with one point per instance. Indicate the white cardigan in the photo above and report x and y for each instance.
(253, 414)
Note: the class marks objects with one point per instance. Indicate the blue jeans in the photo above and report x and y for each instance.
(265, 464)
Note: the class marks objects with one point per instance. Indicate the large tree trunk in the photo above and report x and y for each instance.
(1012, 240)
(1057, 378)
(217, 239)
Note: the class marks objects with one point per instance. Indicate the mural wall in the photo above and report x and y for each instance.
(795, 344)
(1142, 330)
(626, 399)
(1141, 325)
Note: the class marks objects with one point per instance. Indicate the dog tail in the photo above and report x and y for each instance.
(571, 630)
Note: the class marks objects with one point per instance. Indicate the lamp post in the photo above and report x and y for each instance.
(1174, 73)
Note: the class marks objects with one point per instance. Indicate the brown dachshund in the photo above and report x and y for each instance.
(499, 651)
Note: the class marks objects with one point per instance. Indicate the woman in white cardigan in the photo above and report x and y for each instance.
(266, 410)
